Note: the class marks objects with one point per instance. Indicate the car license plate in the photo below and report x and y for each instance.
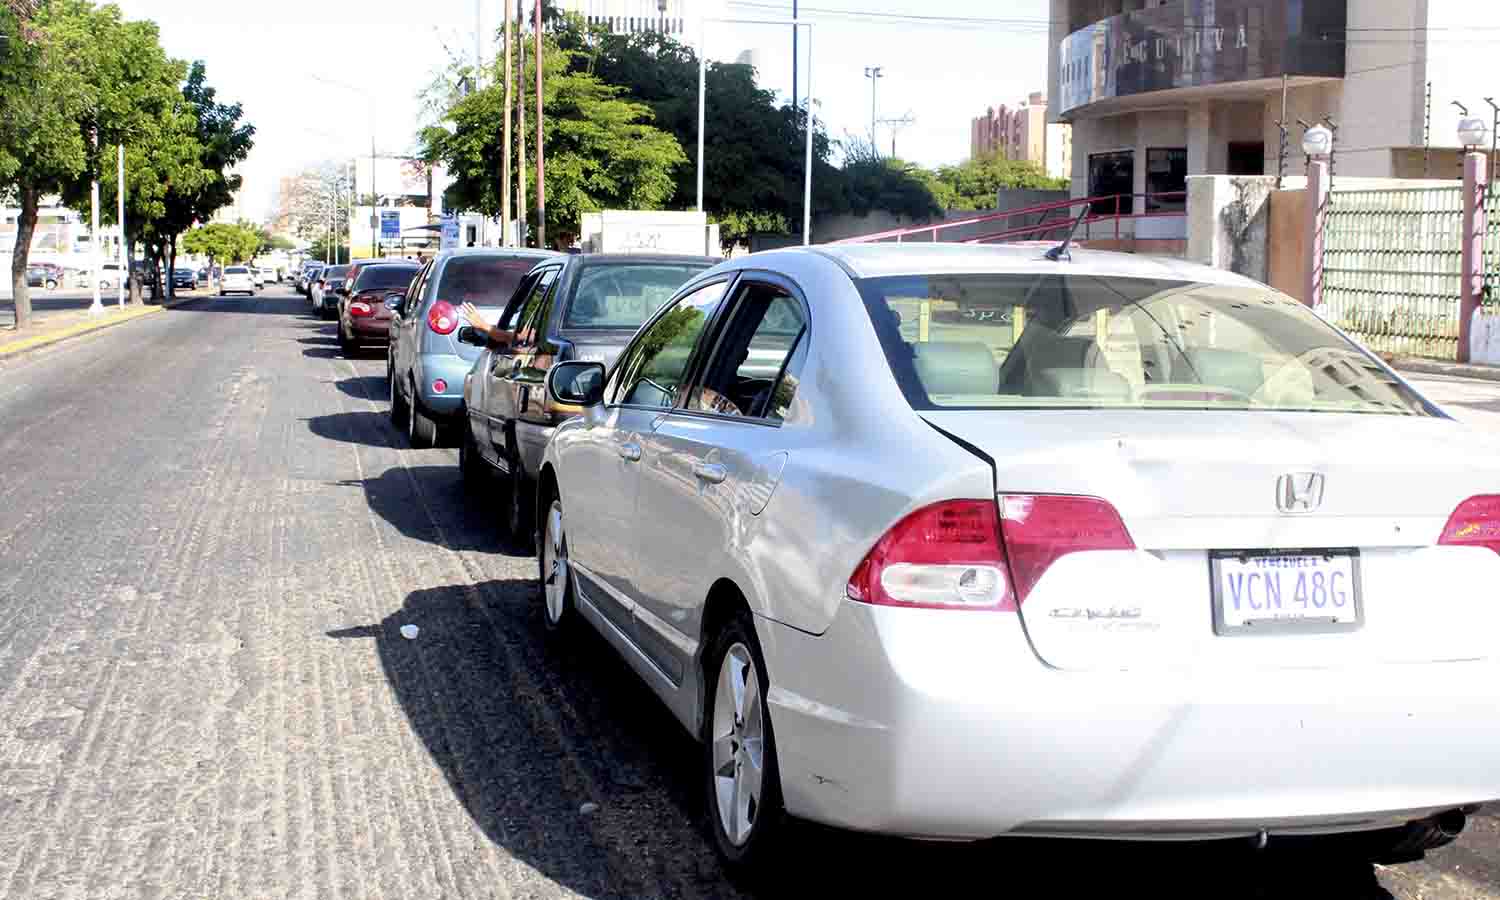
(1286, 590)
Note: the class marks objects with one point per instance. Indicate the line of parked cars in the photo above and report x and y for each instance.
(956, 542)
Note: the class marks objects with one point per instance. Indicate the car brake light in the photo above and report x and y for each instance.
(360, 308)
(442, 318)
(439, 386)
(944, 556)
(1038, 530)
(1475, 523)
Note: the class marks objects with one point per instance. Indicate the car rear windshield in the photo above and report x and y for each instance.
(236, 270)
(334, 271)
(376, 278)
(982, 341)
(623, 295)
(483, 280)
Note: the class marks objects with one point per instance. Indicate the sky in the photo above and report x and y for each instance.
(312, 74)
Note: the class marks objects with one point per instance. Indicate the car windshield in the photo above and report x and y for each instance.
(378, 278)
(236, 270)
(334, 271)
(983, 341)
(623, 295)
(483, 280)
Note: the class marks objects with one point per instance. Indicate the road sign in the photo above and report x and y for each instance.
(390, 224)
(450, 232)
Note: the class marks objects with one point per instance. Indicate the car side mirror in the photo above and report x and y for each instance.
(393, 301)
(468, 334)
(576, 383)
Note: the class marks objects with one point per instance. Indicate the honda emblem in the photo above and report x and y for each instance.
(1299, 492)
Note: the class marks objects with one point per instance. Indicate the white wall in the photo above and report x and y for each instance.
(1310, 103)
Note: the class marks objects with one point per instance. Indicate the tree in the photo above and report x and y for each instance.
(88, 82)
(974, 183)
(319, 194)
(222, 243)
(601, 150)
(753, 149)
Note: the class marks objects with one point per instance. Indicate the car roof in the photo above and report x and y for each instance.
(512, 252)
(586, 259)
(875, 260)
(393, 264)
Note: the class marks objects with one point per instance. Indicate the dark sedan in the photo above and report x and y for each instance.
(44, 275)
(184, 278)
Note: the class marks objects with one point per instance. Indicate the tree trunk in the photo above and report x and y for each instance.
(25, 229)
(156, 271)
(172, 268)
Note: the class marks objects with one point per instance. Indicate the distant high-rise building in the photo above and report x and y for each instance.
(1022, 133)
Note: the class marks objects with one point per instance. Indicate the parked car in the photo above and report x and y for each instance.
(204, 275)
(270, 275)
(256, 276)
(323, 285)
(305, 277)
(1158, 554)
(44, 275)
(426, 364)
(583, 306)
(184, 278)
(364, 316)
(236, 280)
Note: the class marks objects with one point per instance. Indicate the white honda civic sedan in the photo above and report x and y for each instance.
(957, 542)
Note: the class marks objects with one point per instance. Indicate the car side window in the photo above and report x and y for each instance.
(414, 293)
(654, 369)
(517, 303)
(753, 369)
(532, 317)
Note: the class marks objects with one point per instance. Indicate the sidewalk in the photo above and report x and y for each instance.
(1420, 366)
(51, 327)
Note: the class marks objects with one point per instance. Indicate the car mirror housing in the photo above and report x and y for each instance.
(393, 301)
(468, 334)
(576, 383)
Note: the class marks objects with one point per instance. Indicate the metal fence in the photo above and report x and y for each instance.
(1391, 268)
(1490, 298)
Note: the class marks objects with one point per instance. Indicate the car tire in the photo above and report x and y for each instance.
(421, 430)
(51, 284)
(743, 783)
(517, 509)
(555, 576)
(399, 410)
(347, 346)
(471, 466)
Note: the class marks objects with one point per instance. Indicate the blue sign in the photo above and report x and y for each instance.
(390, 224)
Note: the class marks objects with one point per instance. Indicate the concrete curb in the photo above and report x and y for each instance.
(1434, 367)
(20, 346)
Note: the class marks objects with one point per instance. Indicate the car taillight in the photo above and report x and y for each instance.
(440, 386)
(944, 556)
(1040, 529)
(442, 318)
(1475, 523)
(360, 308)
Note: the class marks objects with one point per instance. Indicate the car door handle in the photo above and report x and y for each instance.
(630, 452)
(713, 473)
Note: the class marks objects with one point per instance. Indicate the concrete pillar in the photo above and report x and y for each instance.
(1316, 199)
(1142, 143)
(1471, 280)
(1199, 129)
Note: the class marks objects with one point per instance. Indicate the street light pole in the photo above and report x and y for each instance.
(873, 73)
(120, 218)
(520, 125)
(505, 232)
(97, 307)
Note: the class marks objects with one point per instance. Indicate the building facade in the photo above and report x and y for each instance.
(1157, 90)
(1023, 133)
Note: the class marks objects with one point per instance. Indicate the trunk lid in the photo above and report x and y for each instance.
(1189, 483)
(601, 345)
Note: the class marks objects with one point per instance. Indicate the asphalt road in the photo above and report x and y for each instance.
(210, 538)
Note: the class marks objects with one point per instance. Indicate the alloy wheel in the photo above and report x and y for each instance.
(738, 745)
(555, 572)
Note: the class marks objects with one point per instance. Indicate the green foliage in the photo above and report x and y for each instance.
(601, 151)
(974, 183)
(223, 243)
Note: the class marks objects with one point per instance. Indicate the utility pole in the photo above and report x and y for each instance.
(505, 238)
(520, 125)
(120, 218)
(541, 166)
(374, 216)
(873, 73)
(895, 126)
(796, 97)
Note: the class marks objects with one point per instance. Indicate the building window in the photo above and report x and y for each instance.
(1166, 173)
(1247, 158)
(1111, 174)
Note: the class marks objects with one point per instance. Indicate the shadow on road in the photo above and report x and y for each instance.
(430, 503)
(364, 387)
(527, 726)
(322, 352)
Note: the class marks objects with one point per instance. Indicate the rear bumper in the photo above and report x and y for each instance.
(449, 368)
(944, 724)
(371, 330)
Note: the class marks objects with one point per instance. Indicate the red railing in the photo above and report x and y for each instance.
(1056, 217)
